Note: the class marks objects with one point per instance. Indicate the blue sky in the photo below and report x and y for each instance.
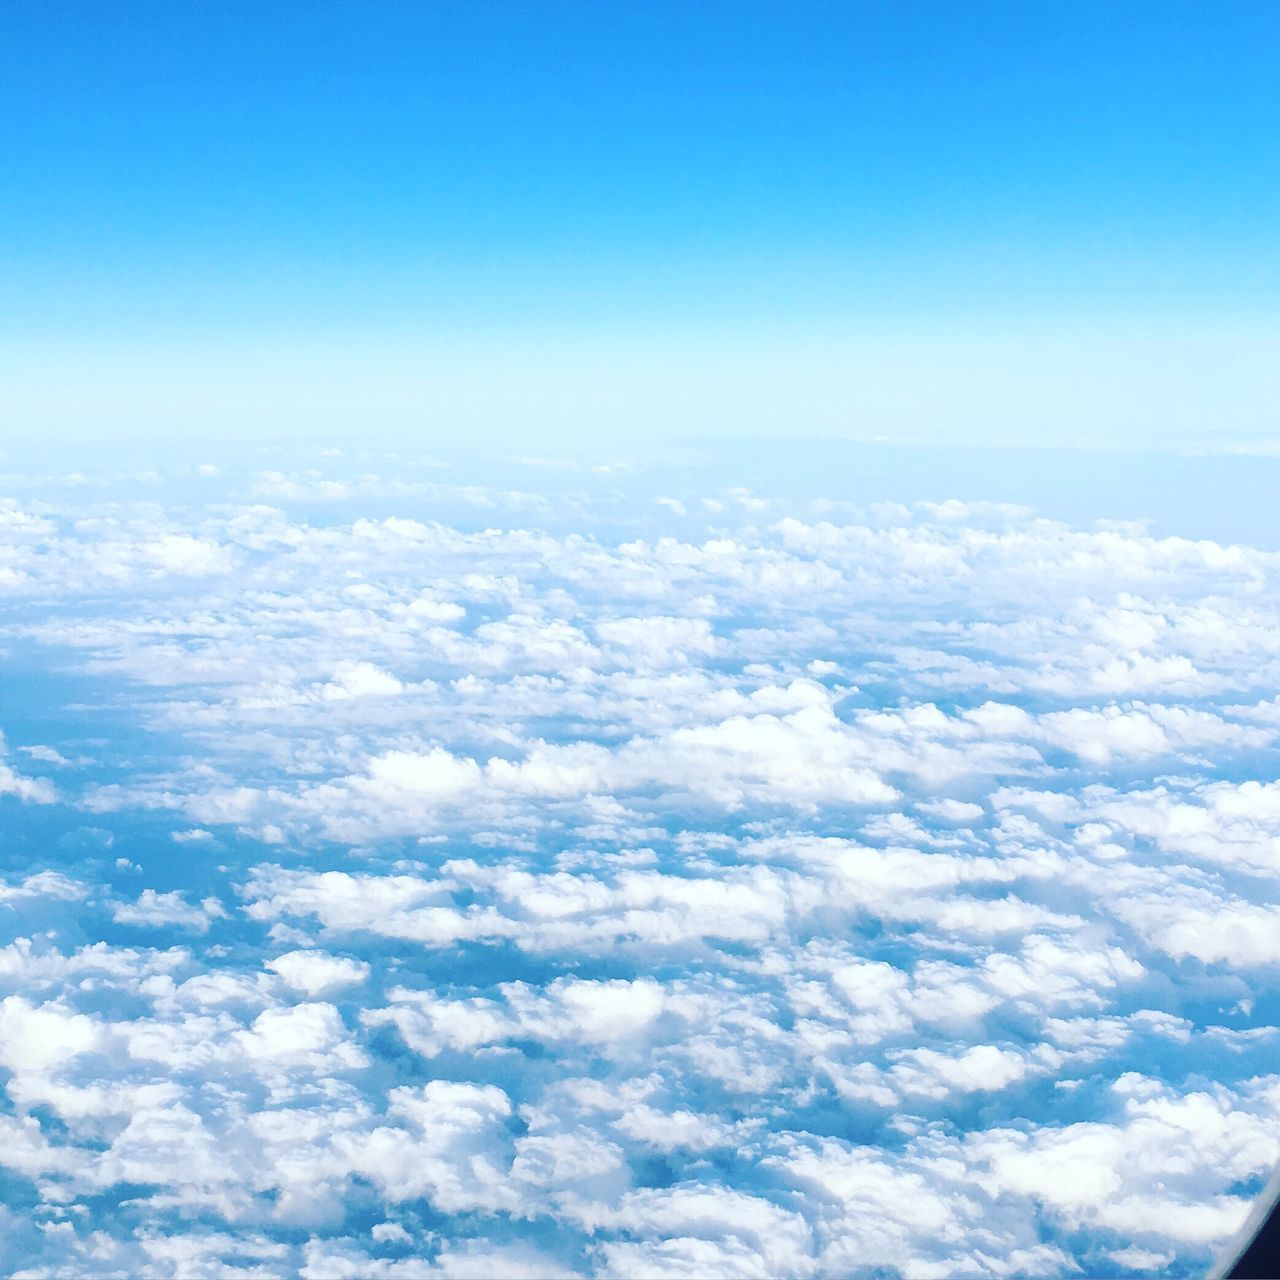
(268, 214)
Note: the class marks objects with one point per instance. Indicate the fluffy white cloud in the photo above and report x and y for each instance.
(158, 910)
(554, 886)
(316, 972)
(13, 783)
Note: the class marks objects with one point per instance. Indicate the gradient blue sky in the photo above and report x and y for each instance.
(937, 221)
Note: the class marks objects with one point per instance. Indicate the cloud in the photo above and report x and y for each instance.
(30, 790)
(543, 884)
(158, 910)
(316, 972)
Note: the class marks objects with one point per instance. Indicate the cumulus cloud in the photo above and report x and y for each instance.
(315, 972)
(22, 787)
(556, 886)
(160, 910)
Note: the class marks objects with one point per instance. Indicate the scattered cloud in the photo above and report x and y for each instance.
(629, 883)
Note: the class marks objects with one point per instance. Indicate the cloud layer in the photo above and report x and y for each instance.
(412, 880)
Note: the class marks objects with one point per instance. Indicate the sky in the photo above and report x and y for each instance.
(978, 224)
(637, 640)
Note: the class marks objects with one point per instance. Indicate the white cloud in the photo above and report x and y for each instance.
(317, 972)
(51, 884)
(33, 790)
(157, 910)
(784, 897)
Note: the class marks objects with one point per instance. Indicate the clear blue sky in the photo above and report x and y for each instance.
(335, 205)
